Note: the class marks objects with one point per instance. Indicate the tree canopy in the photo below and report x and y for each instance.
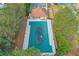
(65, 29)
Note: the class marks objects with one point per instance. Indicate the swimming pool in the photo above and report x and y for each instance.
(39, 36)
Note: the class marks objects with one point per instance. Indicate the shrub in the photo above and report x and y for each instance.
(63, 45)
(4, 44)
(26, 52)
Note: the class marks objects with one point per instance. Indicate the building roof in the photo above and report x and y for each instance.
(36, 5)
(38, 12)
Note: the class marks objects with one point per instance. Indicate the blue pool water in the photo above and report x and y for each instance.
(39, 36)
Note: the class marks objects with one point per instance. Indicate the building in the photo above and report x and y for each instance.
(39, 5)
(38, 13)
(38, 10)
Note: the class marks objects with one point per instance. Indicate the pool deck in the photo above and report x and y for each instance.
(50, 32)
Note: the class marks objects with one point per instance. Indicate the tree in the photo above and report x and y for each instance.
(27, 8)
(11, 18)
(65, 21)
(65, 28)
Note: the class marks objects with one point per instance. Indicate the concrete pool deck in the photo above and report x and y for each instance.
(51, 41)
